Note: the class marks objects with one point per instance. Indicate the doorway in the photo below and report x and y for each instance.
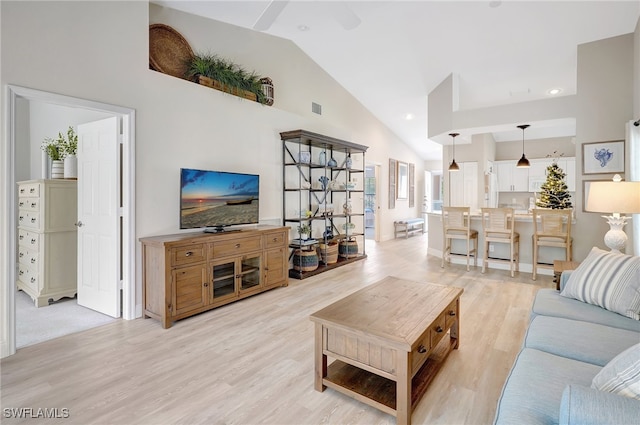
(20, 100)
(371, 207)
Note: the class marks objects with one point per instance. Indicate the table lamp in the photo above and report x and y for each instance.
(615, 197)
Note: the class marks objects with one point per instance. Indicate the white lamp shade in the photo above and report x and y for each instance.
(614, 197)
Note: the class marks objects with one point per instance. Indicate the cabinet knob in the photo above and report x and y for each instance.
(21, 272)
(422, 349)
(33, 220)
(452, 313)
(275, 239)
(32, 190)
(237, 245)
(33, 241)
(188, 254)
(21, 237)
(439, 329)
(20, 218)
(206, 284)
(78, 223)
(21, 254)
(33, 205)
(21, 204)
(33, 260)
(21, 190)
(33, 280)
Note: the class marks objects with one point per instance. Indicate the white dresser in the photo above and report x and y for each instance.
(47, 239)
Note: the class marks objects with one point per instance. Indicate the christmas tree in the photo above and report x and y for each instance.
(553, 192)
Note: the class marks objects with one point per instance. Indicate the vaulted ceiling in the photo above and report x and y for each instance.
(391, 54)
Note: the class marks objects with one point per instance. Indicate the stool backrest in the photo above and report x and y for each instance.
(552, 223)
(498, 220)
(456, 218)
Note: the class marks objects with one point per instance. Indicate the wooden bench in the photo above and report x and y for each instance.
(408, 226)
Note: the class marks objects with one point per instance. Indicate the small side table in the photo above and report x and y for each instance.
(561, 266)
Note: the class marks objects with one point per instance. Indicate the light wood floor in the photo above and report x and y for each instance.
(252, 362)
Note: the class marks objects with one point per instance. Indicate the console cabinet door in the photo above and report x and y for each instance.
(189, 289)
(250, 272)
(276, 267)
(223, 277)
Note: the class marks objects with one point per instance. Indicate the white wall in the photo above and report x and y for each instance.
(99, 51)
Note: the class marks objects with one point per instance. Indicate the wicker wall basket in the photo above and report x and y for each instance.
(328, 253)
(305, 261)
(169, 52)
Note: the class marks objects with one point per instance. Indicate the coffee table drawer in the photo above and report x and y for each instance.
(451, 314)
(421, 352)
(438, 330)
(350, 346)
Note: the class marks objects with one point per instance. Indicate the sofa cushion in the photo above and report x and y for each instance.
(587, 342)
(609, 280)
(587, 406)
(548, 302)
(535, 384)
(621, 375)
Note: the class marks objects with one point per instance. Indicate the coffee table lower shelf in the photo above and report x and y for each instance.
(380, 392)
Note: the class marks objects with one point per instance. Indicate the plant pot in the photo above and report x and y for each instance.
(57, 169)
(71, 167)
(328, 253)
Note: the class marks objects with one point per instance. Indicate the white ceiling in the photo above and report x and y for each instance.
(502, 52)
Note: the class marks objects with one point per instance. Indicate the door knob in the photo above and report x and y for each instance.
(78, 224)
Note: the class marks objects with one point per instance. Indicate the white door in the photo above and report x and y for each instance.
(99, 216)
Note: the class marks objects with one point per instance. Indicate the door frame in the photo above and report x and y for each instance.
(128, 246)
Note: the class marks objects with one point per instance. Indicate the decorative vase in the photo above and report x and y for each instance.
(71, 167)
(328, 233)
(322, 158)
(332, 163)
(323, 181)
(304, 236)
(57, 169)
(346, 208)
(304, 157)
(348, 162)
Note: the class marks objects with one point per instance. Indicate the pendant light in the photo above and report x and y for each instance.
(454, 166)
(523, 162)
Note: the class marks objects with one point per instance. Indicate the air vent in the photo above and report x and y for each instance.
(316, 108)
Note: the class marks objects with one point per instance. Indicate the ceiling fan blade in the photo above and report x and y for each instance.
(344, 15)
(269, 15)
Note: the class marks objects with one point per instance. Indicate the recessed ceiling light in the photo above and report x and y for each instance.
(303, 27)
(409, 117)
(553, 92)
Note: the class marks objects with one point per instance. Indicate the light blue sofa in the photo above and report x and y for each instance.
(567, 343)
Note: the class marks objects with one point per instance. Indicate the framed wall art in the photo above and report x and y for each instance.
(603, 157)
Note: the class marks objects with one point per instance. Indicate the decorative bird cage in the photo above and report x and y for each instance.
(267, 89)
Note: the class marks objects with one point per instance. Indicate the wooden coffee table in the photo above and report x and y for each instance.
(388, 341)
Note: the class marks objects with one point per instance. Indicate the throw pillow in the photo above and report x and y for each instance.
(621, 375)
(609, 280)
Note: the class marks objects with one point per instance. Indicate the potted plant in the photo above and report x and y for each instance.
(304, 230)
(69, 145)
(221, 74)
(55, 151)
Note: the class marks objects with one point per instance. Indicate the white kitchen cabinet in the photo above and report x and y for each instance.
(538, 172)
(463, 188)
(512, 178)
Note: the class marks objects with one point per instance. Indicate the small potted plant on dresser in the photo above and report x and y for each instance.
(54, 151)
(70, 151)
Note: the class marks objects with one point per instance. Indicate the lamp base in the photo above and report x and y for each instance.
(615, 238)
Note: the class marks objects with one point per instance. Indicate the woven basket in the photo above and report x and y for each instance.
(328, 253)
(169, 52)
(305, 261)
(348, 249)
(214, 84)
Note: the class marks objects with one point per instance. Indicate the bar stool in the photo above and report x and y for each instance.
(498, 226)
(456, 224)
(551, 228)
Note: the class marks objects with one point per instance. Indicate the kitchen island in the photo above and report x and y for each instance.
(524, 226)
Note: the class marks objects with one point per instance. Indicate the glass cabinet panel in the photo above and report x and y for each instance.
(250, 272)
(224, 279)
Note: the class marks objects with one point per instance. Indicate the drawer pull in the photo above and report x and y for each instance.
(452, 313)
(20, 218)
(237, 245)
(33, 260)
(188, 254)
(33, 241)
(33, 205)
(206, 284)
(21, 204)
(32, 190)
(422, 349)
(21, 254)
(439, 329)
(21, 272)
(33, 220)
(21, 237)
(275, 239)
(22, 190)
(33, 280)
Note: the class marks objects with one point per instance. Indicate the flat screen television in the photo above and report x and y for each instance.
(214, 200)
